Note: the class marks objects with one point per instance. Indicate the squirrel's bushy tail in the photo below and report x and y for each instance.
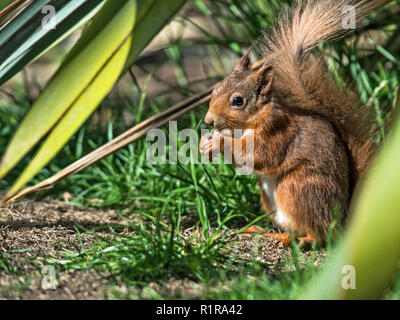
(301, 78)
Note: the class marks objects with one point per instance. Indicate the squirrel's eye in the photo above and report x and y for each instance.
(238, 101)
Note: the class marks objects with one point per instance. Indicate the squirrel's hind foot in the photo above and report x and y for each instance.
(283, 238)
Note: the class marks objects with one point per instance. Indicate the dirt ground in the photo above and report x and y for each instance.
(31, 228)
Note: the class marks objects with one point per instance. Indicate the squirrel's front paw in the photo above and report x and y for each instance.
(210, 144)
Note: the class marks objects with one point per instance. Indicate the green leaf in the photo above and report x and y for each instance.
(110, 45)
(9, 9)
(6, 4)
(28, 18)
(24, 40)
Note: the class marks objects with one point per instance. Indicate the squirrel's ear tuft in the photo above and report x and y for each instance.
(263, 78)
(242, 64)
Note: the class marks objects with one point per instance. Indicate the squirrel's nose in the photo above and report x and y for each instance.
(210, 118)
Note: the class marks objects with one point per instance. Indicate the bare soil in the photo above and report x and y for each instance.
(30, 229)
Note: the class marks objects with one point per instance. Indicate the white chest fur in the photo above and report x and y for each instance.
(268, 185)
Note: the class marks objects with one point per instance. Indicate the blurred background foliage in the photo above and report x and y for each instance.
(198, 48)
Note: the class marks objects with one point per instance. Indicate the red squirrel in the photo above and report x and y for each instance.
(312, 138)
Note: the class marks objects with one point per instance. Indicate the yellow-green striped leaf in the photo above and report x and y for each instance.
(114, 39)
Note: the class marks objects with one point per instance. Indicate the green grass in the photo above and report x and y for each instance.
(159, 201)
(5, 264)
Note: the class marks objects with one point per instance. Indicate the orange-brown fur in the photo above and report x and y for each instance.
(310, 135)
